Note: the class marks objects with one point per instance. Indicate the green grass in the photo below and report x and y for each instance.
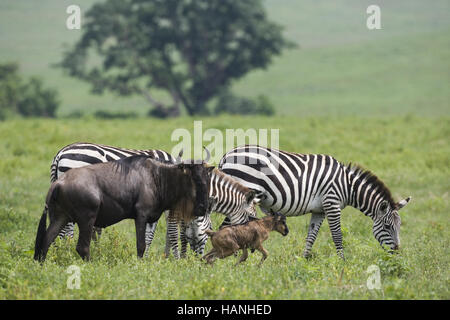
(409, 153)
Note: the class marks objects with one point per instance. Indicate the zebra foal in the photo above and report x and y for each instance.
(227, 197)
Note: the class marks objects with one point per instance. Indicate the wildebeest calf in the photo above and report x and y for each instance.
(252, 234)
(103, 194)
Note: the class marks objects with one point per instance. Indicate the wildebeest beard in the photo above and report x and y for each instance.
(201, 195)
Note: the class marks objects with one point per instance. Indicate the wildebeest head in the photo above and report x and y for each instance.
(200, 172)
(280, 223)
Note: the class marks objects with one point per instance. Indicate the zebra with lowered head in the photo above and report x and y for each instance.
(295, 184)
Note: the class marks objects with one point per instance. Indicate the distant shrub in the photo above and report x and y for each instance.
(35, 101)
(115, 115)
(76, 114)
(29, 99)
(163, 113)
(9, 88)
(229, 103)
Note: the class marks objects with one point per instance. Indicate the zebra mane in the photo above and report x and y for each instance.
(369, 177)
(235, 184)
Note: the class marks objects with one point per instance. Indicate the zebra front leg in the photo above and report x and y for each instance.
(67, 231)
(172, 236)
(149, 235)
(183, 239)
(313, 230)
(333, 212)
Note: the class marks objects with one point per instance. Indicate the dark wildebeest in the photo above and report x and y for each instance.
(250, 235)
(136, 187)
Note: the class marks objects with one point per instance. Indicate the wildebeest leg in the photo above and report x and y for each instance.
(140, 224)
(264, 252)
(244, 256)
(210, 256)
(84, 239)
(52, 232)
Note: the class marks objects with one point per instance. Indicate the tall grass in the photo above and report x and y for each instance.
(408, 153)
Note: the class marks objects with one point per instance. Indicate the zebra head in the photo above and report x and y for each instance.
(386, 223)
(252, 203)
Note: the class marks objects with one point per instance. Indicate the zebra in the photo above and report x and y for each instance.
(295, 184)
(80, 154)
(227, 196)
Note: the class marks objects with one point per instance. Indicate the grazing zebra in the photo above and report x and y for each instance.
(83, 153)
(294, 184)
(227, 196)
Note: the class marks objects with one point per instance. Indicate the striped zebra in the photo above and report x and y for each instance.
(80, 154)
(295, 184)
(228, 197)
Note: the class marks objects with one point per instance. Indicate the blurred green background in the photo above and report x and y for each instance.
(340, 67)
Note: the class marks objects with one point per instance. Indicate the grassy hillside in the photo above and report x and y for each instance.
(340, 66)
(410, 154)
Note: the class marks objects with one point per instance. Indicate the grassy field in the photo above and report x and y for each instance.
(409, 153)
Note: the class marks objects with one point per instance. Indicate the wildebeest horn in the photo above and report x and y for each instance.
(208, 154)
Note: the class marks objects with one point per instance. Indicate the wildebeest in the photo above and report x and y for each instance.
(136, 187)
(250, 235)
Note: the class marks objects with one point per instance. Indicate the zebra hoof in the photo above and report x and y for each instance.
(307, 255)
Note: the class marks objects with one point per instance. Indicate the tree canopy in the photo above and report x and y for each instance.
(191, 49)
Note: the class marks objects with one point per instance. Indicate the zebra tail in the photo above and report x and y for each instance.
(54, 169)
(40, 234)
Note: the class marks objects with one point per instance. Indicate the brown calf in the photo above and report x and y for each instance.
(251, 235)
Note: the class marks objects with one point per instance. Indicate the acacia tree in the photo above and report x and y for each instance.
(191, 49)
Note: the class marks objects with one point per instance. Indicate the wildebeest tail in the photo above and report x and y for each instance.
(40, 234)
(209, 232)
(51, 196)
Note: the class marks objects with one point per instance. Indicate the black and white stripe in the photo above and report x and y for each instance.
(294, 184)
(84, 153)
(227, 197)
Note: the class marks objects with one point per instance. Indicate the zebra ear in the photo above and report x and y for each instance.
(403, 203)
